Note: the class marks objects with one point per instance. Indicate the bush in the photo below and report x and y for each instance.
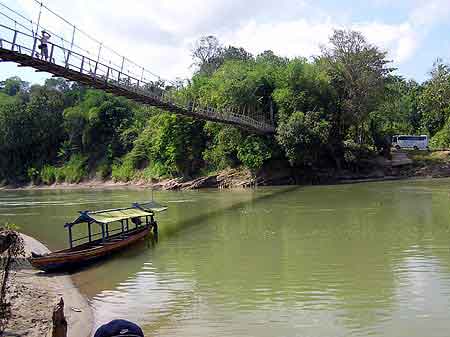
(221, 152)
(75, 170)
(123, 170)
(304, 137)
(355, 154)
(72, 172)
(253, 152)
(48, 174)
(60, 175)
(33, 175)
(103, 171)
(441, 140)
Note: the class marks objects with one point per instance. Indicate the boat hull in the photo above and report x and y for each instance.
(70, 259)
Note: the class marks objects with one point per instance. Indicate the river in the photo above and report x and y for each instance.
(346, 260)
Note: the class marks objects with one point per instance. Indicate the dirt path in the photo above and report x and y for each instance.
(400, 158)
(34, 295)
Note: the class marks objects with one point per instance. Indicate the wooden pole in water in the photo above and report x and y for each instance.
(59, 320)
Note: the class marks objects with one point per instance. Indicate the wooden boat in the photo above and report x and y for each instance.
(140, 217)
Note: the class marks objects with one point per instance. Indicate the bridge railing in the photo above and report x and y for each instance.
(114, 76)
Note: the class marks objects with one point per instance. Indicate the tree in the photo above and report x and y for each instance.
(205, 53)
(358, 71)
(434, 101)
(208, 54)
(397, 113)
(253, 152)
(171, 145)
(304, 137)
(13, 85)
(222, 146)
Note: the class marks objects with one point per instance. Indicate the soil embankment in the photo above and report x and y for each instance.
(34, 295)
(403, 165)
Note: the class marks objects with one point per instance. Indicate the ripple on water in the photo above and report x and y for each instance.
(361, 260)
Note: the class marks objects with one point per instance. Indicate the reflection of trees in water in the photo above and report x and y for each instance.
(146, 296)
(329, 247)
(333, 251)
(307, 251)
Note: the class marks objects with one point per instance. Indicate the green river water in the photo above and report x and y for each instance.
(349, 260)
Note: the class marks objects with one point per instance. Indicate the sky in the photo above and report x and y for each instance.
(160, 34)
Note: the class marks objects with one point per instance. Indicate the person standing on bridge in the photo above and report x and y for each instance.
(44, 47)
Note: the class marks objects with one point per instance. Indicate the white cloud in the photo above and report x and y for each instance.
(400, 40)
(429, 12)
(292, 38)
(303, 38)
(158, 34)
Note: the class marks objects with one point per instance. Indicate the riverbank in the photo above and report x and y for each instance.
(34, 295)
(403, 165)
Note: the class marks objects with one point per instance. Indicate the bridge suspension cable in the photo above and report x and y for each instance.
(100, 43)
(74, 60)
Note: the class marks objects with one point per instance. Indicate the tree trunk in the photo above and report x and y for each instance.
(59, 320)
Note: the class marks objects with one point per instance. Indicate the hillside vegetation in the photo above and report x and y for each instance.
(333, 112)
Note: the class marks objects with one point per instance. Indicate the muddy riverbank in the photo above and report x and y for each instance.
(34, 295)
(403, 165)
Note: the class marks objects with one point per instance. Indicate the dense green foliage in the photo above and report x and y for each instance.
(330, 112)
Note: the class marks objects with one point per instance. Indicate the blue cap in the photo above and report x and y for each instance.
(119, 327)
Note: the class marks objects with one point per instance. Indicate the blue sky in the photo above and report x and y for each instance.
(159, 34)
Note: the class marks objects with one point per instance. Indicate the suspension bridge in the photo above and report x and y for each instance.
(109, 71)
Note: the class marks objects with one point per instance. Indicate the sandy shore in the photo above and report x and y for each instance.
(34, 296)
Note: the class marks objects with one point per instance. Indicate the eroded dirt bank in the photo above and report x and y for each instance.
(403, 165)
(34, 295)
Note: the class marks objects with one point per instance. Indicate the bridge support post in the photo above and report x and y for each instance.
(82, 65)
(95, 69)
(51, 53)
(14, 40)
(34, 47)
(67, 59)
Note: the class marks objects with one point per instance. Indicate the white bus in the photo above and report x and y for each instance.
(410, 142)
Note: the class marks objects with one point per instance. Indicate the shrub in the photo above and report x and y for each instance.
(123, 170)
(253, 152)
(60, 175)
(72, 172)
(304, 136)
(48, 174)
(355, 154)
(103, 171)
(441, 140)
(75, 170)
(33, 175)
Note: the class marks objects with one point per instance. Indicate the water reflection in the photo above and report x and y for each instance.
(355, 260)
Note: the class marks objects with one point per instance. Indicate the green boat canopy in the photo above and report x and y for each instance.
(108, 216)
(150, 206)
(117, 215)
